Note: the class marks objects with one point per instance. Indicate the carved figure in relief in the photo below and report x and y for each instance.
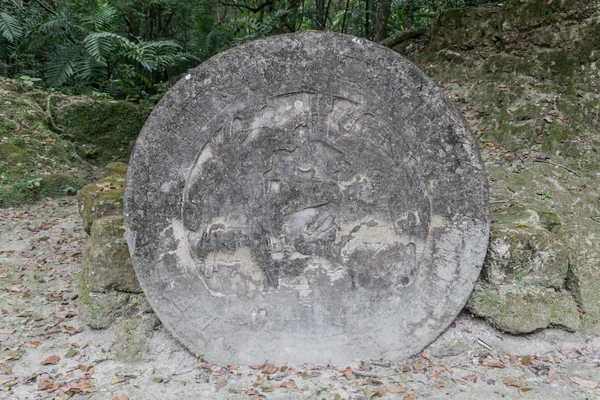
(291, 211)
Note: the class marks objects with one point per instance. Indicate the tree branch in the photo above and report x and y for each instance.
(244, 6)
(45, 7)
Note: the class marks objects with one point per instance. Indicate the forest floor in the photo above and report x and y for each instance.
(47, 352)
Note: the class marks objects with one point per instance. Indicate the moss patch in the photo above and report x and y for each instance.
(101, 199)
(35, 161)
(519, 309)
(99, 310)
(132, 338)
(105, 130)
(115, 169)
(106, 263)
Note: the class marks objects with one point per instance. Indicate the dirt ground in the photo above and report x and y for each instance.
(47, 352)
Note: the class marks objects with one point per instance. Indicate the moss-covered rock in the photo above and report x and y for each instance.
(115, 169)
(584, 271)
(132, 338)
(106, 264)
(29, 190)
(104, 129)
(523, 251)
(35, 161)
(524, 308)
(101, 199)
(99, 310)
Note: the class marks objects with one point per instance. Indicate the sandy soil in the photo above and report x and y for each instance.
(47, 352)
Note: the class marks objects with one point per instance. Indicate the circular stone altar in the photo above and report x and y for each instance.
(311, 197)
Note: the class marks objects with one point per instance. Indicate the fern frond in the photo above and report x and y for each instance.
(100, 44)
(10, 28)
(61, 67)
(90, 70)
(104, 19)
(56, 24)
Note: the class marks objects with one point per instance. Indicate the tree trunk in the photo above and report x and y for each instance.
(367, 14)
(408, 14)
(383, 14)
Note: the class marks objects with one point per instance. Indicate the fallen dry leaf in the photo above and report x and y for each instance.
(347, 372)
(6, 369)
(157, 380)
(584, 382)
(420, 367)
(269, 369)
(513, 382)
(425, 355)
(6, 331)
(289, 385)
(369, 394)
(44, 384)
(394, 389)
(53, 359)
(221, 384)
(523, 391)
(116, 380)
(120, 398)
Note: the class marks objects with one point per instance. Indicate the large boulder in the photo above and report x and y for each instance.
(104, 129)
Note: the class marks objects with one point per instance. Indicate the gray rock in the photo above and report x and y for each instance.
(306, 198)
(132, 338)
(101, 199)
(106, 263)
(99, 310)
(523, 309)
(524, 250)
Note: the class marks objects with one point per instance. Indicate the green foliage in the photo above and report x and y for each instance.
(29, 81)
(135, 49)
(10, 28)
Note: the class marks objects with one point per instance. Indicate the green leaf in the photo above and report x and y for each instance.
(100, 44)
(10, 28)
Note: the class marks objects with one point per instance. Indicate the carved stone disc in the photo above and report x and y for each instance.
(306, 198)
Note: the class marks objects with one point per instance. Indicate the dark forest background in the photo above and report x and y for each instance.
(134, 49)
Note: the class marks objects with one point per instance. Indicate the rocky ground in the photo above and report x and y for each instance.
(47, 351)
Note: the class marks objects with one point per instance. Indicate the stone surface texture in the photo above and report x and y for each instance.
(306, 198)
(100, 199)
(524, 309)
(106, 262)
